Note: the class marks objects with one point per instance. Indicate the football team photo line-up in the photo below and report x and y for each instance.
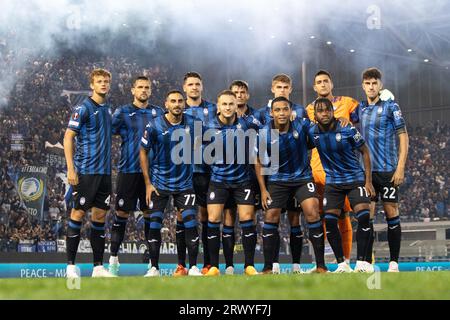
(224, 161)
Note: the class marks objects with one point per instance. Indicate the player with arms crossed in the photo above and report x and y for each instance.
(90, 172)
(381, 123)
(129, 122)
(292, 179)
(170, 177)
(344, 178)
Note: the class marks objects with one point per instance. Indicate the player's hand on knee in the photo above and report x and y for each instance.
(266, 200)
(72, 177)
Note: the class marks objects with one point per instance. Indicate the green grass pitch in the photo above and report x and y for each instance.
(407, 285)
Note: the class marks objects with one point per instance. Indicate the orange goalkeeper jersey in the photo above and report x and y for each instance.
(343, 107)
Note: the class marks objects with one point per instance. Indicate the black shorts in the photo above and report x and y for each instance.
(201, 184)
(182, 200)
(92, 190)
(384, 188)
(130, 189)
(334, 195)
(289, 195)
(220, 193)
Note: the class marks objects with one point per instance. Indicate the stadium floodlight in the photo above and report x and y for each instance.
(426, 60)
(329, 43)
(410, 50)
(312, 37)
(250, 28)
(352, 50)
(289, 43)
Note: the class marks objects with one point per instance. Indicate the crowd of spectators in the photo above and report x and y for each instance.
(36, 110)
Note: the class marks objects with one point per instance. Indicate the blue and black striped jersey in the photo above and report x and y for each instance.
(263, 114)
(337, 150)
(205, 112)
(293, 162)
(233, 165)
(92, 123)
(170, 167)
(380, 124)
(129, 122)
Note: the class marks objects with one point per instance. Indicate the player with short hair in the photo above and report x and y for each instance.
(291, 179)
(201, 109)
(381, 124)
(282, 87)
(241, 90)
(89, 172)
(170, 177)
(129, 122)
(336, 146)
(231, 178)
(343, 106)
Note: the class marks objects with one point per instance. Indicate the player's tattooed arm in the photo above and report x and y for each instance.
(367, 169)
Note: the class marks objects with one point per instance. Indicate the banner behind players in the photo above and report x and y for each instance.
(32, 184)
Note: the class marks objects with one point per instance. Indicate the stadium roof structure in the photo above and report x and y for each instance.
(417, 32)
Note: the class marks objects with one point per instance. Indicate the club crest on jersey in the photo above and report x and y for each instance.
(324, 202)
(205, 111)
(187, 129)
(76, 116)
(150, 205)
(380, 110)
(212, 195)
(357, 137)
(82, 201)
(338, 137)
(294, 113)
(121, 202)
(145, 134)
(295, 134)
(153, 112)
(239, 126)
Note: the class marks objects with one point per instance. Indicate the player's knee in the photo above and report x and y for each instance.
(77, 215)
(156, 219)
(189, 218)
(122, 214)
(331, 221)
(271, 216)
(294, 218)
(391, 210)
(98, 216)
(229, 218)
(363, 217)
